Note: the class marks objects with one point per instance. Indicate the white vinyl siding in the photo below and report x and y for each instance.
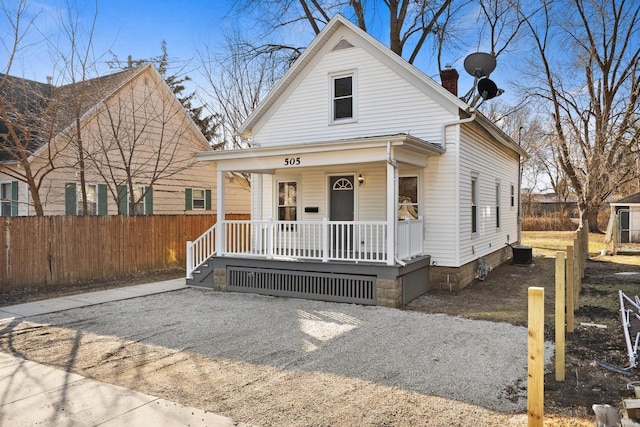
(387, 103)
(494, 165)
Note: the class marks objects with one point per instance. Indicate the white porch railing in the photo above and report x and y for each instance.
(410, 238)
(315, 240)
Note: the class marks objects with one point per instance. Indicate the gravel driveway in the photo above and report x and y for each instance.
(475, 362)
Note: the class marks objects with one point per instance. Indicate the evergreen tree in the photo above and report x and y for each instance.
(208, 123)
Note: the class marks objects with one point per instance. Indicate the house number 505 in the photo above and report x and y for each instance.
(291, 161)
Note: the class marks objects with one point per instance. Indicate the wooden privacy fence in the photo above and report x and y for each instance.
(46, 251)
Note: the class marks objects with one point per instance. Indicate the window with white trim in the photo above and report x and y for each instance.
(407, 197)
(198, 199)
(5, 199)
(287, 201)
(474, 204)
(139, 205)
(92, 199)
(513, 196)
(343, 97)
(497, 205)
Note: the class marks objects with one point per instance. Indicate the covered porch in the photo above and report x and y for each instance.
(330, 228)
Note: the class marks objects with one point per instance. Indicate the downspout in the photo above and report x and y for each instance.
(391, 210)
(519, 220)
(443, 141)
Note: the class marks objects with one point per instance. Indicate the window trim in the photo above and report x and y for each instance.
(417, 204)
(354, 96)
(513, 196)
(79, 199)
(475, 189)
(498, 200)
(204, 199)
(277, 199)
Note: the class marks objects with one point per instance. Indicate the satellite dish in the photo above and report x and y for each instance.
(487, 89)
(480, 64)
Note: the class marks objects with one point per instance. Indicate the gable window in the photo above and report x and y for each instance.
(408, 197)
(497, 205)
(343, 97)
(197, 199)
(9, 198)
(287, 201)
(96, 199)
(474, 204)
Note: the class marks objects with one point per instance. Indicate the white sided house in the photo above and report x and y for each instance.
(371, 183)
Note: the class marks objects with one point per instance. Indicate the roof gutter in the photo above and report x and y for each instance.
(455, 122)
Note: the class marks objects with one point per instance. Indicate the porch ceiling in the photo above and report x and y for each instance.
(404, 148)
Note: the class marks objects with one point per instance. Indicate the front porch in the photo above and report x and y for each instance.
(340, 207)
(342, 261)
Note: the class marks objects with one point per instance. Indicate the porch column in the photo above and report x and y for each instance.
(391, 212)
(220, 232)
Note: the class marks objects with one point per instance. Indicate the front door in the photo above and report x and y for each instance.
(341, 208)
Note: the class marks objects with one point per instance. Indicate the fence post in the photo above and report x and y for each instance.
(570, 285)
(535, 366)
(560, 316)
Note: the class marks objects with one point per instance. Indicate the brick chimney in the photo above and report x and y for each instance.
(449, 77)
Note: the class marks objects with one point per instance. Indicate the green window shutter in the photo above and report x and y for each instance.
(102, 199)
(188, 199)
(207, 199)
(148, 201)
(123, 199)
(70, 203)
(14, 198)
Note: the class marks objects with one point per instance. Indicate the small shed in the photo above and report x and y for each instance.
(628, 211)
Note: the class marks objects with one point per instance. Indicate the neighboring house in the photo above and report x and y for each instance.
(535, 204)
(129, 121)
(371, 183)
(628, 211)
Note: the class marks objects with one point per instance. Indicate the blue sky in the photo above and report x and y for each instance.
(137, 28)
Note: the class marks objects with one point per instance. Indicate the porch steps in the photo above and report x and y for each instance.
(203, 276)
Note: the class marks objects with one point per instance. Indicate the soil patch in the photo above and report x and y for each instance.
(503, 297)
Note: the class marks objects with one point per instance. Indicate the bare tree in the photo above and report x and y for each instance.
(592, 90)
(137, 136)
(28, 113)
(411, 22)
(236, 82)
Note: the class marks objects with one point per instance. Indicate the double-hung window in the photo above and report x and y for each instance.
(92, 200)
(143, 200)
(8, 198)
(474, 204)
(408, 197)
(497, 205)
(287, 201)
(343, 92)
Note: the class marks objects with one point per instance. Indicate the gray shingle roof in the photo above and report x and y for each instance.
(46, 110)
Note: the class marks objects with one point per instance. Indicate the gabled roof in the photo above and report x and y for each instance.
(390, 58)
(413, 74)
(629, 200)
(78, 100)
(30, 98)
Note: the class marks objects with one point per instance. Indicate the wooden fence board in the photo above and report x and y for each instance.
(47, 251)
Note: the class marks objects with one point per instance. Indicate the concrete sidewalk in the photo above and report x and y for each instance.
(91, 298)
(34, 394)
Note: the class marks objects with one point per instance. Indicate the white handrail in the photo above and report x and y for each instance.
(200, 250)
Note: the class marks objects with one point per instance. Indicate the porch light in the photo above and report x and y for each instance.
(360, 179)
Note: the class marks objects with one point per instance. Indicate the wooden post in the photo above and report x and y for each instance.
(560, 316)
(585, 251)
(570, 293)
(614, 234)
(577, 252)
(535, 385)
